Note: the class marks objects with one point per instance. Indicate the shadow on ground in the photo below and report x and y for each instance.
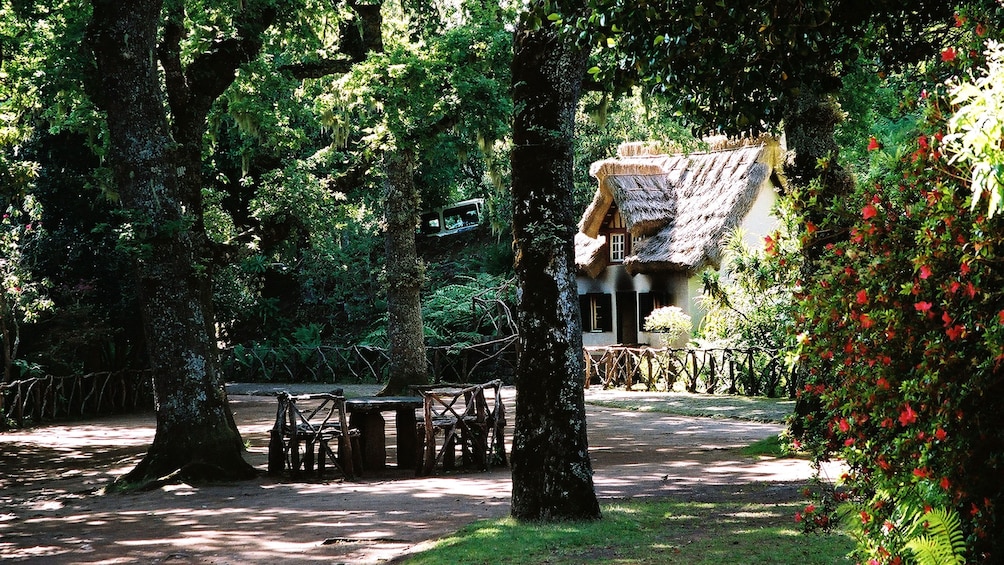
(51, 509)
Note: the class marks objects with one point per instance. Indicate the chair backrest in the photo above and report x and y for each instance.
(462, 401)
(310, 413)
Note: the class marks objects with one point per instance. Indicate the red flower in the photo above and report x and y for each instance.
(921, 473)
(866, 321)
(926, 306)
(940, 434)
(810, 228)
(981, 30)
(869, 212)
(873, 144)
(907, 416)
(925, 271)
(948, 55)
(1000, 317)
(945, 483)
(862, 296)
(955, 332)
(843, 425)
(959, 20)
(964, 269)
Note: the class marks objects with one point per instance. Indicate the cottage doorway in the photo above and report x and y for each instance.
(627, 318)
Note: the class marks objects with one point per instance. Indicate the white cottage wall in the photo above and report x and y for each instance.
(760, 221)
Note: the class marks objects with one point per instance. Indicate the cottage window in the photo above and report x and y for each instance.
(648, 301)
(617, 247)
(597, 312)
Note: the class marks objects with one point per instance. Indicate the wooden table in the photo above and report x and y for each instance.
(365, 413)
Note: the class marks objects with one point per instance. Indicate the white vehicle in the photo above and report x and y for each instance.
(455, 218)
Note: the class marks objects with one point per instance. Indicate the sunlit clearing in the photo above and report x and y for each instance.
(754, 514)
(488, 532)
(622, 510)
(180, 489)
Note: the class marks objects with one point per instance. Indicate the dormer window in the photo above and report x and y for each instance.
(617, 247)
(618, 240)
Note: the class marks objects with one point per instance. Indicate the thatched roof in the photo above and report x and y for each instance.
(685, 203)
(589, 253)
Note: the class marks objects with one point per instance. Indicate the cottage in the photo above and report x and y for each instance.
(658, 220)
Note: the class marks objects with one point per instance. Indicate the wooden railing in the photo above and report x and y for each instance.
(746, 371)
(469, 363)
(36, 400)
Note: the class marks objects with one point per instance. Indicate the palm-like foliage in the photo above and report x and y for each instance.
(938, 538)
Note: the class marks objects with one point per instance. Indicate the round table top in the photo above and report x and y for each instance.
(382, 403)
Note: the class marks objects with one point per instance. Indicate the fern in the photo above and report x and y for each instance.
(943, 543)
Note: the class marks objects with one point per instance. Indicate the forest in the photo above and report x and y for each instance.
(190, 187)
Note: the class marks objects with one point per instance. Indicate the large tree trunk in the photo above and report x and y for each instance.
(551, 472)
(195, 431)
(810, 123)
(405, 273)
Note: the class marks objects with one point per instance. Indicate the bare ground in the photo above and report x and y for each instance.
(52, 509)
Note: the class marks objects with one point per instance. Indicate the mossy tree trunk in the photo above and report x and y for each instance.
(551, 470)
(158, 181)
(405, 274)
(810, 122)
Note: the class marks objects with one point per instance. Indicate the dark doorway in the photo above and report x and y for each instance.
(627, 317)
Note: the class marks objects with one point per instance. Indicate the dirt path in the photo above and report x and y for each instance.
(50, 511)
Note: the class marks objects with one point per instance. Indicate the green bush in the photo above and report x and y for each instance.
(671, 322)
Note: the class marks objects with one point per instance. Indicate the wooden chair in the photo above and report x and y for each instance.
(469, 416)
(305, 426)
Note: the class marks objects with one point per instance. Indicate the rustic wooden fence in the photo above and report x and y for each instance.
(35, 400)
(754, 372)
(747, 371)
(467, 363)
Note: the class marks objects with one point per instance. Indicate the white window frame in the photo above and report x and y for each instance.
(618, 242)
(594, 315)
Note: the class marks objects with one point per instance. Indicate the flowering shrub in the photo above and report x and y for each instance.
(902, 332)
(671, 322)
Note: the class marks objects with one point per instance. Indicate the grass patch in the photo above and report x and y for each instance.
(767, 447)
(757, 409)
(662, 532)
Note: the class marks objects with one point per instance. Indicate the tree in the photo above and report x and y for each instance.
(415, 102)
(551, 471)
(405, 274)
(157, 166)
